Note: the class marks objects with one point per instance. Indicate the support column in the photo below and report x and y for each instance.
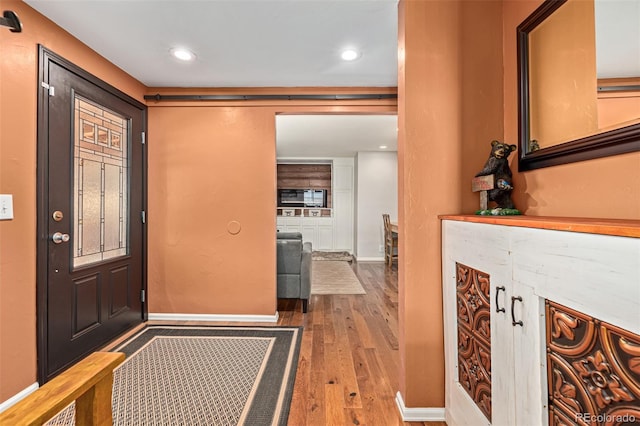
(429, 182)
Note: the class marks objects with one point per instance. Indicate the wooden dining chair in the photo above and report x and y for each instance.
(390, 241)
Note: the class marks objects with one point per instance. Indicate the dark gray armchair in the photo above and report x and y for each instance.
(294, 267)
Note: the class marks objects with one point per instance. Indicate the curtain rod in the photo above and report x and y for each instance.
(159, 97)
(618, 88)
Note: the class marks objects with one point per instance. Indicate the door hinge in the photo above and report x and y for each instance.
(143, 216)
(144, 138)
(50, 89)
(142, 296)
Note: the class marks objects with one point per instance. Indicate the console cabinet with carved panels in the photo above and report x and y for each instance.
(542, 326)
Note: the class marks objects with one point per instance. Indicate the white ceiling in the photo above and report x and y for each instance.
(255, 43)
(238, 43)
(252, 43)
(301, 136)
(617, 38)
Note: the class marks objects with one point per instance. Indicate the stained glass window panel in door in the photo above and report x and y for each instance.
(101, 181)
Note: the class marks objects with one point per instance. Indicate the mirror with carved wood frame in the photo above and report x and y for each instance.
(533, 156)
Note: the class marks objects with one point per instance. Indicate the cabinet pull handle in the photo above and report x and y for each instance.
(498, 308)
(513, 315)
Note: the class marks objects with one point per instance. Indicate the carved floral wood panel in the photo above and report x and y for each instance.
(474, 335)
(593, 370)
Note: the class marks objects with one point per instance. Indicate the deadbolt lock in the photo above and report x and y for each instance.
(57, 215)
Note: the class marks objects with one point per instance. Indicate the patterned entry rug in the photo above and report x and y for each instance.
(204, 376)
(334, 277)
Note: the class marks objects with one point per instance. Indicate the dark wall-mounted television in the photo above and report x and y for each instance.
(302, 198)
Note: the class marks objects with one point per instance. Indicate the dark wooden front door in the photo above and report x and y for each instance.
(91, 186)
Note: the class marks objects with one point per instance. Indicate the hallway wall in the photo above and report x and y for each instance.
(210, 165)
(18, 111)
(376, 193)
(449, 109)
(600, 188)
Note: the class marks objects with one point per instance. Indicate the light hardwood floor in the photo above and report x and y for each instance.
(349, 360)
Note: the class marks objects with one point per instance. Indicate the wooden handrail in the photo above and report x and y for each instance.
(89, 383)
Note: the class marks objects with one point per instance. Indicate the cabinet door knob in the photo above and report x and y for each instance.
(513, 315)
(498, 308)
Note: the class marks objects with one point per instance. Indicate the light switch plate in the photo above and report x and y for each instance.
(6, 206)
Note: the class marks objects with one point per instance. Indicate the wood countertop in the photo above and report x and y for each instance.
(617, 227)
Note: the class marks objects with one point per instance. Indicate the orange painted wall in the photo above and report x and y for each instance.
(449, 109)
(428, 152)
(209, 167)
(18, 110)
(600, 188)
(482, 80)
(617, 109)
(211, 164)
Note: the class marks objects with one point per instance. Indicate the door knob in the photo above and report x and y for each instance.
(59, 237)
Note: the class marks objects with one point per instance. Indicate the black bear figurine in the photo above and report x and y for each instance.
(498, 165)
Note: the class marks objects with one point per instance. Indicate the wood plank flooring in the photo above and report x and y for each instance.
(349, 360)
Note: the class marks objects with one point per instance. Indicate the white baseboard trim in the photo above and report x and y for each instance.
(419, 414)
(213, 317)
(19, 396)
(369, 259)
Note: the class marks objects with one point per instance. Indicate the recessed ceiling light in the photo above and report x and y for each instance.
(382, 147)
(349, 55)
(183, 54)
